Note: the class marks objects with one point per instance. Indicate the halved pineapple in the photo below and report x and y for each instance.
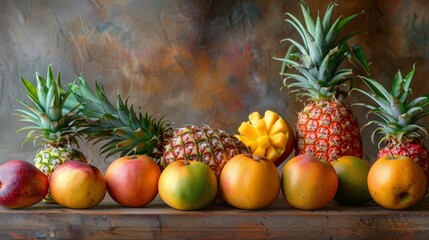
(269, 136)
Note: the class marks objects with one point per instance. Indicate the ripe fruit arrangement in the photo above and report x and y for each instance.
(197, 161)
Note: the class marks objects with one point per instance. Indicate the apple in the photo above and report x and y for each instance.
(21, 184)
(132, 181)
(396, 182)
(75, 184)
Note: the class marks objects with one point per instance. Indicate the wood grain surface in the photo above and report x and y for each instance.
(158, 221)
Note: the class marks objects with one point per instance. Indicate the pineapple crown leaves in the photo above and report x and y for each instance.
(318, 58)
(397, 113)
(125, 130)
(51, 121)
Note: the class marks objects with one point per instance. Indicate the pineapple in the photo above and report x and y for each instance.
(211, 146)
(269, 136)
(326, 126)
(398, 119)
(122, 129)
(52, 125)
(129, 132)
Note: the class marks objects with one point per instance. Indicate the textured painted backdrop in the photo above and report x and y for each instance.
(198, 61)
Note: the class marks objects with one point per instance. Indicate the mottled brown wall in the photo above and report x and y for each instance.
(198, 61)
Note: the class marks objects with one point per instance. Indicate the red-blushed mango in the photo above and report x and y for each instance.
(308, 183)
(187, 185)
(132, 181)
(76, 184)
(21, 184)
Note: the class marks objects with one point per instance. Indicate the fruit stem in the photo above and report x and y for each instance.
(134, 157)
(250, 152)
(391, 154)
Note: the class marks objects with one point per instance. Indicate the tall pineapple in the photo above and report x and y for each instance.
(50, 123)
(130, 132)
(326, 127)
(398, 117)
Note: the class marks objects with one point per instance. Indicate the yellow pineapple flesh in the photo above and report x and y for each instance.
(269, 136)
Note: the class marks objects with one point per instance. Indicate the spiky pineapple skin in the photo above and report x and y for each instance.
(328, 130)
(412, 148)
(213, 147)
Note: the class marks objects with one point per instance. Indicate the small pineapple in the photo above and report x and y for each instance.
(213, 147)
(52, 125)
(326, 127)
(398, 118)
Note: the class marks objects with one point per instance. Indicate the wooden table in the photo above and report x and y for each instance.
(158, 221)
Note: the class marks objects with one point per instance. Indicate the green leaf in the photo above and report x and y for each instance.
(319, 34)
(49, 100)
(397, 84)
(413, 111)
(324, 65)
(421, 102)
(123, 112)
(27, 116)
(387, 118)
(406, 85)
(314, 50)
(31, 89)
(289, 52)
(376, 88)
(42, 94)
(346, 20)
(332, 33)
(360, 56)
(298, 26)
(310, 78)
(342, 75)
(414, 128)
(50, 77)
(297, 45)
(419, 116)
(327, 18)
(288, 61)
(310, 26)
(85, 90)
(385, 105)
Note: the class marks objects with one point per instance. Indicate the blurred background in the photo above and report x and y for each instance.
(196, 61)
